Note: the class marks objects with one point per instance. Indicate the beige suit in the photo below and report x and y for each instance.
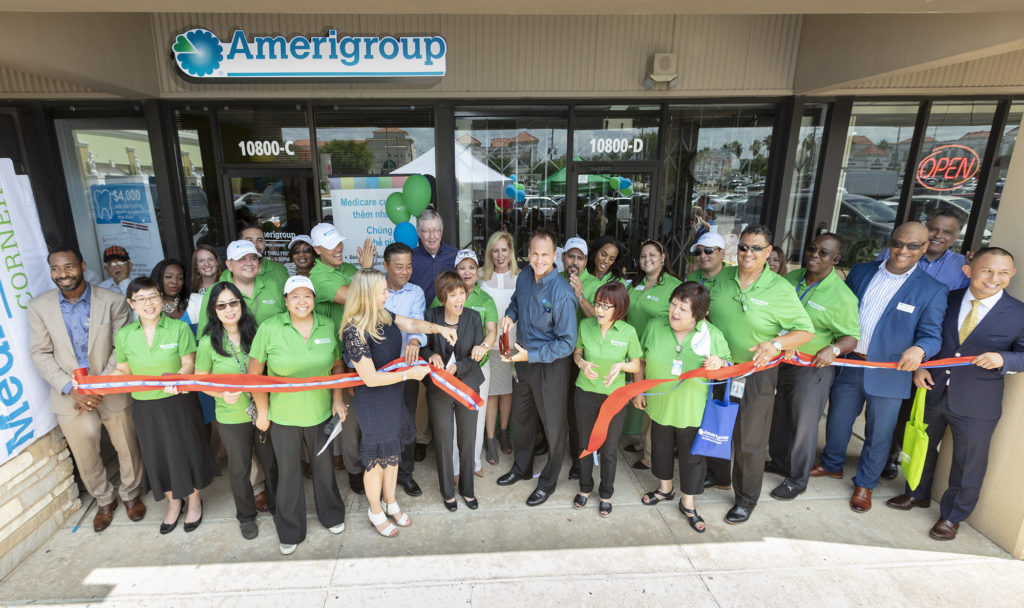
(54, 357)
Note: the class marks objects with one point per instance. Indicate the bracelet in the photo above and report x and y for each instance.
(405, 375)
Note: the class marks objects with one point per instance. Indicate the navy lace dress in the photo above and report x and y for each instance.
(383, 418)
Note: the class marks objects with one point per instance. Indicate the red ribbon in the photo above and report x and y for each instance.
(614, 403)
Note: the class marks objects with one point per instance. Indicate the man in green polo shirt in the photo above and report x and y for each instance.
(262, 294)
(709, 255)
(760, 316)
(574, 262)
(331, 274)
(268, 269)
(802, 391)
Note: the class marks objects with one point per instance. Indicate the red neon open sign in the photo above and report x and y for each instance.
(951, 163)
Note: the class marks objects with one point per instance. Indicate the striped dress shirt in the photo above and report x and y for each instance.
(881, 289)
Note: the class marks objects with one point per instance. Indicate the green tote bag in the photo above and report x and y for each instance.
(915, 442)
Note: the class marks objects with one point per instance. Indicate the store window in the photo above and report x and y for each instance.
(111, 183)
(195, 150)
(1002, 165)
(796, 227)
(878, 146)
(489, 151)
(713, 174)
(616, 132)
(364, 155)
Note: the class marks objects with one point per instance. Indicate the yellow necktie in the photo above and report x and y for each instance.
(970, 322)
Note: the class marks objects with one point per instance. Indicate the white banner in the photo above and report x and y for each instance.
(357, 207)
(24, 396)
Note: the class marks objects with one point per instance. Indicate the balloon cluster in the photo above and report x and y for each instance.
(402, 206)
(623, 184)
(515, 190)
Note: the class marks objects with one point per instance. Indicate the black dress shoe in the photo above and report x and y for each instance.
(471, 503)
(737, 515)
(538, 497)
(355, 481)
(640, 466)
(451, 505)
(574, 471)
(711, 484)
(192, 525)
(420, 453)
(775, 468)
(249, 529)
(510, 478)
(891, 470)
(168, 528)
(541, 448)
(411, 487)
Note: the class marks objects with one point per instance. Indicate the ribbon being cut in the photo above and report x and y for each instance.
(620, 397)
(101, 385)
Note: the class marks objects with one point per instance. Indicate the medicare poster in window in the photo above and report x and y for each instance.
(123, 214)
(357, 210)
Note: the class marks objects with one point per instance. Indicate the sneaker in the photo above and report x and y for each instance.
(249, 529)
(338, 529)
(287, 549)
(784, 491)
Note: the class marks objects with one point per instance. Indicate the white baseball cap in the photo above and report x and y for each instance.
(464, 254)
(326, 236)
(576, 243)
(297, 281)
(303, 238)
(239, 249)
(709, 239)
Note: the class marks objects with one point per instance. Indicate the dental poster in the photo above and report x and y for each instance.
(123, 214)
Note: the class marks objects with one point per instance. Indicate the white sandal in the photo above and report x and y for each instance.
(391, 508)
(379, 518)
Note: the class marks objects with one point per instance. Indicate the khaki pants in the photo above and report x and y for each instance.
(83, 431)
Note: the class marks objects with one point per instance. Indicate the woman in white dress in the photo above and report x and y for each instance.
(498, 279)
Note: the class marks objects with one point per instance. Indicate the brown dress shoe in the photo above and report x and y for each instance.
(944, 530)
(861, 500)
(103, 516)
(261, 501)
(136, 510)
(820, 471)
(906, 502)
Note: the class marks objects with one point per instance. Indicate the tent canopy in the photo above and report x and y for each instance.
(468, 169)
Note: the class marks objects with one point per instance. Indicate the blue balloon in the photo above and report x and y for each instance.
(520, 195)
(624, 183)
(512, 177)
(510, 191)
(406, 233)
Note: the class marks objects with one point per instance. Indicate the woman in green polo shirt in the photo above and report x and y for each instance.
(175, 454)
(648, 299)
(224, 349)
(605, 263)
(683, 342)
(606, 347)
(299, 344)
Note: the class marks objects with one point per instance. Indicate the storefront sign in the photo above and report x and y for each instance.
(123, 214)
(201, 55)
(358, 208)
(947, 167)
(24, 396)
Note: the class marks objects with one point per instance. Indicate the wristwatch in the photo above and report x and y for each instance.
(835, 349)
(405, 375)
(486, 346)
(776, 345)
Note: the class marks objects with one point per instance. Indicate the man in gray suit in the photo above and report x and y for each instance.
(73, 327)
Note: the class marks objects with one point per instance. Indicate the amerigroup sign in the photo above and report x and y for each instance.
(201, 55)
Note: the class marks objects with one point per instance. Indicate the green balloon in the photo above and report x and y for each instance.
(614, 182)
(628, 191)
(417, 194)
(397, 209)
(520, 186)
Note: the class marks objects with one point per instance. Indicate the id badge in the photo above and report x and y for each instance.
(677, 367)
(738, 384)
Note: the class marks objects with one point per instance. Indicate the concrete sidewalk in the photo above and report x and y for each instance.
(813, 551)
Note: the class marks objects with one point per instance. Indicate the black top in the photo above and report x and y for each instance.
(469, 333)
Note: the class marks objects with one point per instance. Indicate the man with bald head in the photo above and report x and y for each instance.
(900, 312)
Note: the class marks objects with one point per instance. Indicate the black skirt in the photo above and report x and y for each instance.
(176, 456)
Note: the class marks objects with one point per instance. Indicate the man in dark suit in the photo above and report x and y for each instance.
(985, 323)
(900, 313)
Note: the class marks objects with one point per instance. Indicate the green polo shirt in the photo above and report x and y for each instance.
(209, 360)
(288, 355)
(697, 276)
(647, 304)
(267, 300)
(172, 340)
(482, 302)
(618, 345)
(772, 308)
(326, 282)
(270, 271)
(684, 406)
(832, 307)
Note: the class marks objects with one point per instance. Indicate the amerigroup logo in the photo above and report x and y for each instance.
(201, 55)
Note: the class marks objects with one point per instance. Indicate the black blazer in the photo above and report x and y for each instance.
(974, 391)
(470, 333)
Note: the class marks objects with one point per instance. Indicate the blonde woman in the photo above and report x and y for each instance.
(373, 338)
(498, 280)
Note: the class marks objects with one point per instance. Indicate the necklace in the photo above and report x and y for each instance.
(173, 306)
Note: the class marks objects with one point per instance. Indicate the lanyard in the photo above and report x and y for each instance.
(803, 294)
(242, 368)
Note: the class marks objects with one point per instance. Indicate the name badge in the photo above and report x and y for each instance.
(322, 341)
(738, 384)
(640, 287)
(618, 343)
(815, 305)
(904, 307)
(677, 367)
(269, 301)
(759, 302)
(169, 346)
(653, 298)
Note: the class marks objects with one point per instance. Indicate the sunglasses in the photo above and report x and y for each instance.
(743, 248)
(222, 306)
(908, 246)
(705, 250)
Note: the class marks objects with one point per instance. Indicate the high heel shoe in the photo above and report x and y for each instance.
(392, 509)
(492, 450)
(505, 440)
(376, 519)
(192, 525)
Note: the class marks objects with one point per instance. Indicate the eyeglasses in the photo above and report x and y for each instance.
(908, 246)
(604, 305)
(705, 250)
(117, 263)
(148, 300)
(743, 248)
(229, 304)
(432, 232)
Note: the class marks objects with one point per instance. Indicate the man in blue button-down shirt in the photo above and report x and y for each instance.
(432, 256)
(544, 309)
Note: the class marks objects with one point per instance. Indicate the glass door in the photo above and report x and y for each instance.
(272, 199)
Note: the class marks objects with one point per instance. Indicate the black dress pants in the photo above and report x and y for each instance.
(665, 440)
(408, 457)
(449, 420)
(539, 397)
(290, 517)
(587, 406)
(240, 442)
(750, 436)
(570, 414)
(800, 399)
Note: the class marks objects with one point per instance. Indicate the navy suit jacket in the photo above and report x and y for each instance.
(974, 391)
(913, 317)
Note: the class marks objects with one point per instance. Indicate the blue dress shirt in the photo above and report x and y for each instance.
(947, 269)
(76, 320)
(426, 267)
(545, 313)
(408, 302)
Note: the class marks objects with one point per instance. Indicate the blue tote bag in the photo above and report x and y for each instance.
(714, 437)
